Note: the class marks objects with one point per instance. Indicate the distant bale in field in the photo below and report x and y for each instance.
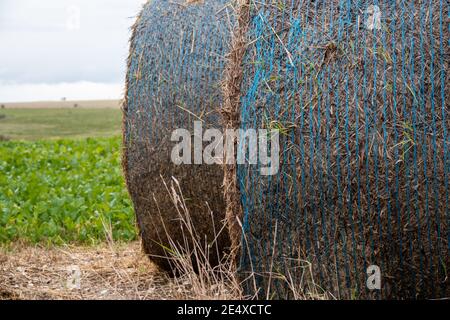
(3, 106)
(360, 96)
(174, 72)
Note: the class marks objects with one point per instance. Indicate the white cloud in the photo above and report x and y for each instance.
(38, 47)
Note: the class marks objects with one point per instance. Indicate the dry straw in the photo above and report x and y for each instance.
(231, 120)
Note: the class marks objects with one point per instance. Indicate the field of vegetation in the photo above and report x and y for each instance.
(60, 177)
(63, 191)
(50, 124)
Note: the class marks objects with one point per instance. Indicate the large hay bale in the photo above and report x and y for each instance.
(174, 73)
(359, 95)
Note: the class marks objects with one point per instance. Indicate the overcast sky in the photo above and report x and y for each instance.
(64, 48)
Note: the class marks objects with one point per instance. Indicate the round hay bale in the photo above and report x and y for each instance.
(358, 94)
(174, 72)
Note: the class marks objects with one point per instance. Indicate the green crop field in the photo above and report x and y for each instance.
(69, 190)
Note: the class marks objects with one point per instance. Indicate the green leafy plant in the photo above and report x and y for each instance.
(62, 191)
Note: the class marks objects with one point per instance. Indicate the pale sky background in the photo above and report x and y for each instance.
(76, 49)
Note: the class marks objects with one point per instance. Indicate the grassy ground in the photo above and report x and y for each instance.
(38, 124)
(63, 203)
(57, 194)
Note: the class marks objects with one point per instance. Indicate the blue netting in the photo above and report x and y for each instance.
(365, 163)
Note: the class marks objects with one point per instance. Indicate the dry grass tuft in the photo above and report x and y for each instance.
(191, 259)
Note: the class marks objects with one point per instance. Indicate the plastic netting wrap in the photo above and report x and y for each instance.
(174, 73)
(358, 91)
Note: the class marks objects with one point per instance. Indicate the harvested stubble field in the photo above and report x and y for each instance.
(107, 272)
